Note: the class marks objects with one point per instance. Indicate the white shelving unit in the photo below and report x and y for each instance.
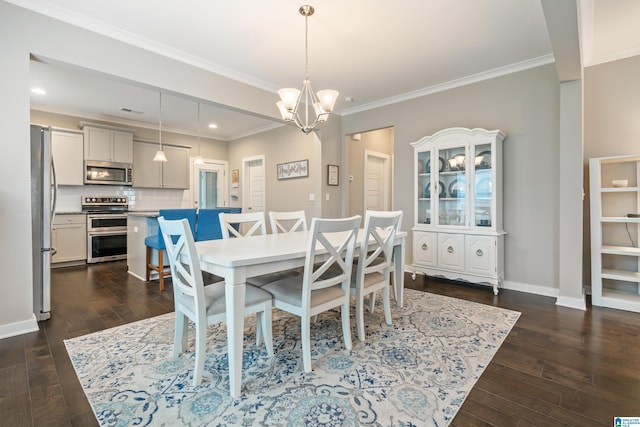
(615, 256)
(457, 232)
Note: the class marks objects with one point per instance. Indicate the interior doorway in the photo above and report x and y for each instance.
(209, 184)
(369, 171)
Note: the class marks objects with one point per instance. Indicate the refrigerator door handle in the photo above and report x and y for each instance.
(55, 191)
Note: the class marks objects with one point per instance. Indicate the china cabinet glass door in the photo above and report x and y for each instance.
(483, 188)
(424, 171)
(450, 188)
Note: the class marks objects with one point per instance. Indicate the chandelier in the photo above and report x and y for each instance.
(291, 98)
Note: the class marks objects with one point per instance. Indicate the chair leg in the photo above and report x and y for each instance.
(372, 301)
(360, 315)
(346, 323)
(148, 263)
(180, 334)
(201, 344)
(160, 269)
(386, 299)
(306, 343)
(267, 334)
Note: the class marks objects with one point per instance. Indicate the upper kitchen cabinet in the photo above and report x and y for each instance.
(173, 174)
(108, 144)
(67, 147)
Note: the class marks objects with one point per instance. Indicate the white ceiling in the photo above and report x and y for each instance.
(373, 51)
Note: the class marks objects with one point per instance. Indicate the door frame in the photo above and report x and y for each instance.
(195, 181)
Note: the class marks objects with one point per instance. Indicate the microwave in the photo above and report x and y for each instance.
(107, 173)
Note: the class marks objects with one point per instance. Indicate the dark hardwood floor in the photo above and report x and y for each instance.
(558, 366)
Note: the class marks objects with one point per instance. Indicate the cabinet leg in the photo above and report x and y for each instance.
(413, 275)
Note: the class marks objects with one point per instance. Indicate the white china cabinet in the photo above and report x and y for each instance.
(458, 232)
(614, 194)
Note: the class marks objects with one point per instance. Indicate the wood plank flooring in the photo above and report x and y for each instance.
(558, 366)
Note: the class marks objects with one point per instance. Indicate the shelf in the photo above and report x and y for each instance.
(619, 189)
(620, 300)
(620, 250)
(619, 219)
(627, 276)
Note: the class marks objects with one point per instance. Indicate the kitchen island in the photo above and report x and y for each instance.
(140, 224)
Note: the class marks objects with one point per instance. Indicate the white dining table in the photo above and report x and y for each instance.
(237, 259)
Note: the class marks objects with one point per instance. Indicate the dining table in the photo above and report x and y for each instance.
(237, 259)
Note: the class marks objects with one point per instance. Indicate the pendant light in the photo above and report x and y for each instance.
(160, 155)
(291, 98)
(198, 160)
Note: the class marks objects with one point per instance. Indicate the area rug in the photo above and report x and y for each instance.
(416, 372)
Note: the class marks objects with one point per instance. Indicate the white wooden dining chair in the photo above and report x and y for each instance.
(321, 287)
(287, 222)
(242, 224)
(204, 305)
(375, 263)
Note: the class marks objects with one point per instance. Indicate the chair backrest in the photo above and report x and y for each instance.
(209, 224)
(338, 238)
(287, 222)
(186, 275)
(381, 226)
(189, 214)
(242, 224)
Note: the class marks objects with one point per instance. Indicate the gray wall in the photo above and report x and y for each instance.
(525, 106)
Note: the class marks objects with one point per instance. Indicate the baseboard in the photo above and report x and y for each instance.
(19, 328)
(577, 303)
(530, 289)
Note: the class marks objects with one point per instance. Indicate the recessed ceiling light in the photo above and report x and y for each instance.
(213, 126)
(39, 91)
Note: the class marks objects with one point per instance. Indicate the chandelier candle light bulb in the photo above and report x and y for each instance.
(290, 98)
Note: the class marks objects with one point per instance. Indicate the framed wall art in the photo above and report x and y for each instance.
(235, 178)
(297, 169)
(333, 175)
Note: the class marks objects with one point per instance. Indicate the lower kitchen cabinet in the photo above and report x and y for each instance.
(69, 238)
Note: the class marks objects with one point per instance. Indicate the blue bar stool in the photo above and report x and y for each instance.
(209, 224)
(155, 242)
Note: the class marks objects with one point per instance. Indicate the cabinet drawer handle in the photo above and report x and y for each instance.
(424, 247)
(479, 252)
(450, 249)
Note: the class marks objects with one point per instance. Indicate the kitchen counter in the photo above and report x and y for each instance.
(143, 214)
(140, 224)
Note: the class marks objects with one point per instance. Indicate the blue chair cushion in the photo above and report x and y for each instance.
(155, 240)
(209, 223)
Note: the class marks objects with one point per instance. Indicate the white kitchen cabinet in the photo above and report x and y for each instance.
(173, 174)
(108, 144)
(457, 230)
(67, 148)
(69, 238)
(615, 230)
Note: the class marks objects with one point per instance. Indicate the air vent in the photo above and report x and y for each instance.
(129, 110)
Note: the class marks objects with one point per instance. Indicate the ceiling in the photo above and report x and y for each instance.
(374, 52)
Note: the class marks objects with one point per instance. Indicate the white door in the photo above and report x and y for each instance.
(253, 199)
(209, 184)
(377, 181)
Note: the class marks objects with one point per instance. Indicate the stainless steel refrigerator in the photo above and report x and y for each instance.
(43, 202)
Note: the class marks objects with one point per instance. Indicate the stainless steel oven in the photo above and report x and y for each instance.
(106, 228)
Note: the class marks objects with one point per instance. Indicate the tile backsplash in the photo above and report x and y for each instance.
(140, 199)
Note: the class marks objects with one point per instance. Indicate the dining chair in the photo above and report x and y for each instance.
(155, 242)
(320, 287)
(287, 222)
(375, 263)
(242, 224)
(204, 305)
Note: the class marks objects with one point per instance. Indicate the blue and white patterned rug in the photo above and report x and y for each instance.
(416, 372)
